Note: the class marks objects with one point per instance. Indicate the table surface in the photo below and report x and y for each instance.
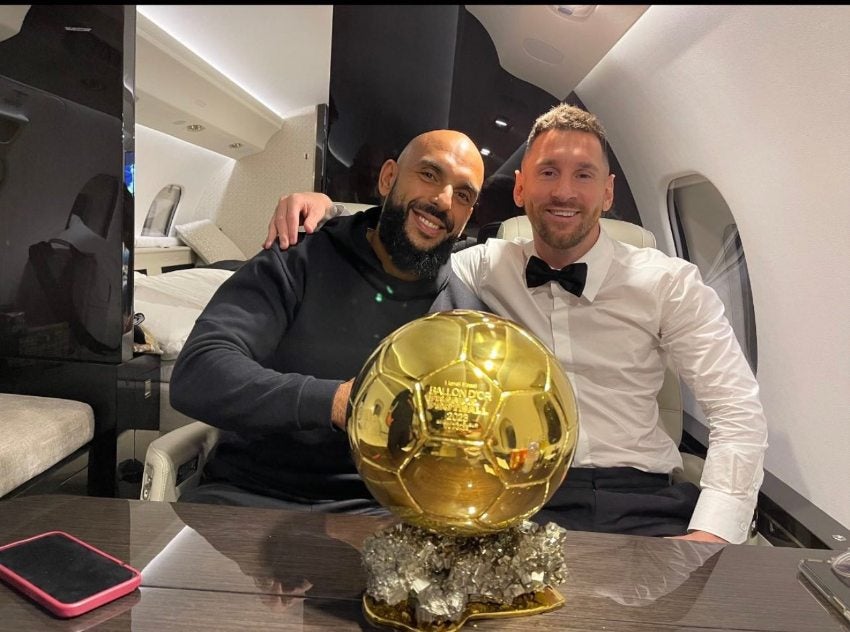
(226, 568)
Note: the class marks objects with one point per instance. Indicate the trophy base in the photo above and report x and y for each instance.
(400, 617)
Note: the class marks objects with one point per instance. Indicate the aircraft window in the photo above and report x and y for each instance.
(705, 233)
(162, 210)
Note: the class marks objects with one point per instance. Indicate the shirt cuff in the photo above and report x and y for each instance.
(723, 515)
(315, 403)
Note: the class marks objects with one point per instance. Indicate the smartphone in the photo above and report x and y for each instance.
(834, 589)
(64, 574)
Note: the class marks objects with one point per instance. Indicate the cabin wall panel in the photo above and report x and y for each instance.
(238, 196)
(162, 160)
(755, 99)
(242, 203)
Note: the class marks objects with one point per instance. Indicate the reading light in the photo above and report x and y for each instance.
(235, 145)
(195, 128)
(485, 151)
(574, 11)
(500, 123)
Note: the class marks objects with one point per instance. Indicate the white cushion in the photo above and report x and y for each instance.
(356, 207)
(207, 240)
(38, 432)
(627, 232)
(520, 227)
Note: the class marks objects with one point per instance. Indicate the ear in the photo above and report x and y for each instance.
(386, 179)
(608, 197)
(518, 184)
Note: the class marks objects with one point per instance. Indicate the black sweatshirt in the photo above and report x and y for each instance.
(267, 354)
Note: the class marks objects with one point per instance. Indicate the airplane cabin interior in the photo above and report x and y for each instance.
(144, 149)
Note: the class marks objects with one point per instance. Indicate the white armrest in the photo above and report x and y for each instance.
(692, 472)
(174, 461)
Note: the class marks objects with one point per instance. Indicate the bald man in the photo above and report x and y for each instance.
(271, 362)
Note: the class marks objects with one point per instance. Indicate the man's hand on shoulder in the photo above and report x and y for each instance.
(700, 536)
(293, 210)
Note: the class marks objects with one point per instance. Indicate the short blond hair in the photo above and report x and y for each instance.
(566, 117)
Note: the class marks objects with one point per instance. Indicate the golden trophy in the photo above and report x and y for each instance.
(463, 424)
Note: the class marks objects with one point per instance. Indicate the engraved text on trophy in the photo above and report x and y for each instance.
(458, 407)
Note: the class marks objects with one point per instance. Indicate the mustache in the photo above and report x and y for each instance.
(430, 209)
(565, 205)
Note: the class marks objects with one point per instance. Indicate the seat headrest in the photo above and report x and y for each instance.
(616, 229)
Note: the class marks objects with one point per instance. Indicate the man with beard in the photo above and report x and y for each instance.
(611, 313)
(271, 360)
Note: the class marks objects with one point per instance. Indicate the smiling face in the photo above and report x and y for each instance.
(430, 193)
(564, 186)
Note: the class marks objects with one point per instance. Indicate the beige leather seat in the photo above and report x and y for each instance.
(174, 461)
(616, 229)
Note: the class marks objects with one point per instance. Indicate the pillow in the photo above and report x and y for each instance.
(207, 240)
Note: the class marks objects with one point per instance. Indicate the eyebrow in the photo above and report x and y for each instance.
(589, 166)
(465, 186)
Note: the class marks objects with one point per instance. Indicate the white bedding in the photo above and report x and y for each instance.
(149, 241)
(171, 303)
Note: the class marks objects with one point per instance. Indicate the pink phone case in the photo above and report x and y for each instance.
(66, 609)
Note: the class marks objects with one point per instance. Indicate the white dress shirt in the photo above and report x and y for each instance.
(640, 306)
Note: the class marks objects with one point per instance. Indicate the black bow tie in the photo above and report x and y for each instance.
(572, 277)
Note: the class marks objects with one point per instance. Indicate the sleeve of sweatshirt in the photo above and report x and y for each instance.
(218, 377)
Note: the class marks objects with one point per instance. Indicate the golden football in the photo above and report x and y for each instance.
(462, 423)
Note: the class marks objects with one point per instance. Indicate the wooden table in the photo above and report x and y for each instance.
(223, 568)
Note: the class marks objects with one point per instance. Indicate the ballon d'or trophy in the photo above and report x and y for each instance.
(463, 424)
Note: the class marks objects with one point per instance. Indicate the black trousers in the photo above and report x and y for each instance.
(220, 493)
(621, 500)
(609, 500)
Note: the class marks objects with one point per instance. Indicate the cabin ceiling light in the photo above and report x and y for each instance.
(485, 151)
(195, 128)
(501, 123)
(574, 11)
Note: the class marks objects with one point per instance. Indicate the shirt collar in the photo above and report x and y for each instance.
(598, 260)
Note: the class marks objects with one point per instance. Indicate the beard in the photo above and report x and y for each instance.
(560, 240)
(406, 256)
